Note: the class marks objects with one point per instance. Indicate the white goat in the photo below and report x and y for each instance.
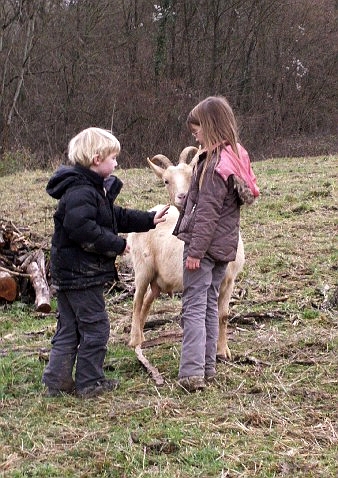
(157, 255)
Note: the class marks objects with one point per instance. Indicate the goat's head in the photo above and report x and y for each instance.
(175, 178)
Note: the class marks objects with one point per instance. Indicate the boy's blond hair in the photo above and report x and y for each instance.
(92, 142)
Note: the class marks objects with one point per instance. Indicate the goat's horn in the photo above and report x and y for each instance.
(161, 159)
(185, 153)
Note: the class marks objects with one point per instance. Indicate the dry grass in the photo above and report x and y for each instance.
(273, 410)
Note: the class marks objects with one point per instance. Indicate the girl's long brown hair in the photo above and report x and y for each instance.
(215, 117)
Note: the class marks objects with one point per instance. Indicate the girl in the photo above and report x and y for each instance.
(209, 226)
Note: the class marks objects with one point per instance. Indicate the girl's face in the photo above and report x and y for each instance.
(197, 133)
(104, 167)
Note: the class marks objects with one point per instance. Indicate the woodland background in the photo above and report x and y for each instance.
(138, 66)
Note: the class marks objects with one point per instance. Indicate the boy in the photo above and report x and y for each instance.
(84, 248)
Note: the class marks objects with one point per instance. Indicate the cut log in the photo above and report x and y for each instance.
(8, 287)
(21, 258)
(37, 272)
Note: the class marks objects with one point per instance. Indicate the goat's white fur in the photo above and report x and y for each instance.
(157, 256)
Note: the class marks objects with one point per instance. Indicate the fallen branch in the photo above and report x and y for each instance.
(119, 298)
(154, 324)
(165, 338)
(252, 317)
(14, 273)
(153, 371)
(26, 351)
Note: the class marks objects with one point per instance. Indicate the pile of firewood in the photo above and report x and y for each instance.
(22, 266)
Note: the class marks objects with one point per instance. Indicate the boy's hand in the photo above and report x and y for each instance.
(127, 250)
(160, 215)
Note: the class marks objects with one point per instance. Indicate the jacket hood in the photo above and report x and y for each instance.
(240, 166)
(69, 176)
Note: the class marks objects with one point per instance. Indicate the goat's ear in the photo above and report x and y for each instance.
(157, 169)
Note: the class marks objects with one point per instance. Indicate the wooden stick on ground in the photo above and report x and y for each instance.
(153, 371)
(167, 337)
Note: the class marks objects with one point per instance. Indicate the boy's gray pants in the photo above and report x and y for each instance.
(200, 317)
(81, 336)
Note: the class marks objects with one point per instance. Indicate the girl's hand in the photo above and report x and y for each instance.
(160, 215)
(192, 263)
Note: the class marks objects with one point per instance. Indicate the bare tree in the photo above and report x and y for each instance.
(138, 66)
(18, 20)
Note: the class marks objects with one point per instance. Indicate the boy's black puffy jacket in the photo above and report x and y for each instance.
(85, 241)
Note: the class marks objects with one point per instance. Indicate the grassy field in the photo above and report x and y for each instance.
(273, 409)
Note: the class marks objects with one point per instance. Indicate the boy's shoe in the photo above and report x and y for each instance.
(56, 392)
(193, 383)
(98, 388)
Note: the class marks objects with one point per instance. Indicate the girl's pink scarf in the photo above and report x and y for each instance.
(240, 166)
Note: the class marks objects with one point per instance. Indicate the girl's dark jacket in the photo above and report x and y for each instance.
(85, 242)
(209, 221)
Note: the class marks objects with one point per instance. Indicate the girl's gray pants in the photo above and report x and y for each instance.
(200, 317)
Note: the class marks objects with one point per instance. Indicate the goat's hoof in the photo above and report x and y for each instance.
(132, 344)
(222, 358)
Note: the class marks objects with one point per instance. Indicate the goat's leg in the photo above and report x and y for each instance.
(227, 286)
(223, 351)
(153, 293)
(226, 290)
(136, 332)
